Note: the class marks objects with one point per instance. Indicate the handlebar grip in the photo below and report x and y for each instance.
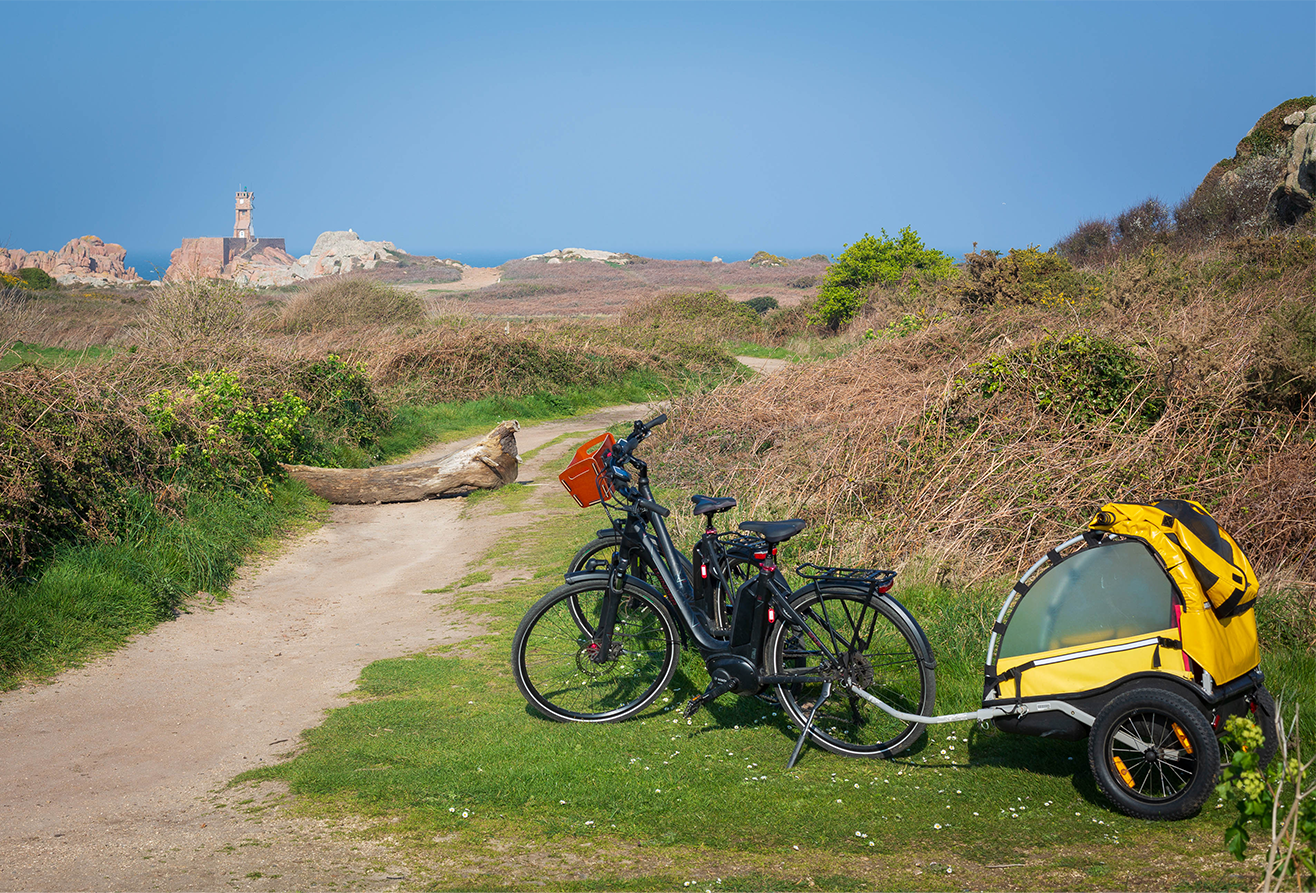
(654, 507)
(656, 421)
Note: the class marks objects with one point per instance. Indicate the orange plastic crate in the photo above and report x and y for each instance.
(584, 477)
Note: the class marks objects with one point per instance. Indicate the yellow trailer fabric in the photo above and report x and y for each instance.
(1226, 647)
(1083, 668)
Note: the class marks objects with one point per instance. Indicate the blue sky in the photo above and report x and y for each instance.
(676, 129)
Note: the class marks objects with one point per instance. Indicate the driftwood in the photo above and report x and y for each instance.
(487, 465)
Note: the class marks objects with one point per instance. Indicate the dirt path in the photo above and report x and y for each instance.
(764, 365)
(112, 776)
(472, 278)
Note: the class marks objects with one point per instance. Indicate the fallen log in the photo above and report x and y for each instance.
(487, 465)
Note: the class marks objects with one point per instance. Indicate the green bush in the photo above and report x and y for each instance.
(875, 261)
(764, 259)
(1023, 276)
(1084, 377)
(762, 304)
(36, 278)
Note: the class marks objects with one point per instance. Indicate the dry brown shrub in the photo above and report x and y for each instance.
(676, 316)
(416, 269)
(346, 302)
(17, 313)
(536, 288)
(481, 359)
(896, 456)
(195, 310)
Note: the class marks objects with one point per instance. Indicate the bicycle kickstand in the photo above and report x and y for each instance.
(799, 745)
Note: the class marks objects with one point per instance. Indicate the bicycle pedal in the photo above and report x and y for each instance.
(692, 707)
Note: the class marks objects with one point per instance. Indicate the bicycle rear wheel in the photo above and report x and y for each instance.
(561, 669)
(869, 643)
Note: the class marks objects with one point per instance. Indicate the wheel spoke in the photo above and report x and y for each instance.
(561, 671)
(866, 648)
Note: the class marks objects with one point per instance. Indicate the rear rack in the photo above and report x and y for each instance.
(873, 579)
(735, 541)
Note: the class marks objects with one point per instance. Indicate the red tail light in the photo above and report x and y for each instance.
(703, 571)
(772, 614)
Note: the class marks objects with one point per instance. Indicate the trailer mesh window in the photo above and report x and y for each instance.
(1095, 595)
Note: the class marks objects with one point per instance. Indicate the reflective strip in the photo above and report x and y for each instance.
(1110, 649)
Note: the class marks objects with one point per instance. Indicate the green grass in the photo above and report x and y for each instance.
(21, 354)
(91, 597)
(441, 754)
(417, 426)
(750, 349)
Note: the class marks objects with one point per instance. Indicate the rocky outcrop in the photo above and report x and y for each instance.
(266, 262)
(343, 252)
(85, 261)
(267, 266)
(261, 262)
(1293, 198)
(1272, 176)
(560, 255)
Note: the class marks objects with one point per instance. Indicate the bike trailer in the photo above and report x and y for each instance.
(1140, 633)
(1148, 589)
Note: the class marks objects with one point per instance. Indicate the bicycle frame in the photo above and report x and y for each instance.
(660, 551)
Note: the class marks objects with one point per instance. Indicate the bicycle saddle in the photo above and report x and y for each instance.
(711, 505)
(774, 532)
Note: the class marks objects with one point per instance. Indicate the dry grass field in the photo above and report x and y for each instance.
(536, 288)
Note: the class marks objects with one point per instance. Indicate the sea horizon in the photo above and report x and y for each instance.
(152, 264)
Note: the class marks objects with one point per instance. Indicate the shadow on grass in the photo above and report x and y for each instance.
(1039, 756)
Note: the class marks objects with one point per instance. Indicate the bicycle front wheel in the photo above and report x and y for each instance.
(868, 642)
(564, 672)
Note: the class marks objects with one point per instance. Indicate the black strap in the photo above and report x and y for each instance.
(1234, 605)
(1016, 673)
(1021, 587)
(1054, 557)
(999, 628)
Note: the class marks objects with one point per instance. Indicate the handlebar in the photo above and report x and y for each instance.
(625, 447)
(623, 453)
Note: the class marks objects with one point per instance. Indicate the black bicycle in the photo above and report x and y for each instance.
(604, 645)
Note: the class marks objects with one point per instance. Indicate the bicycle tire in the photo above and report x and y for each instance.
(564, 679)
(1154, 755)
(600, 550)
(873, 643)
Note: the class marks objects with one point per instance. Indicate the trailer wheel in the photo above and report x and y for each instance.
(1154, 754)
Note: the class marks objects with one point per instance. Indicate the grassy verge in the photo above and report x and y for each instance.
(417, 425)
(441, 755)
(58, 357)
(91, 597)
